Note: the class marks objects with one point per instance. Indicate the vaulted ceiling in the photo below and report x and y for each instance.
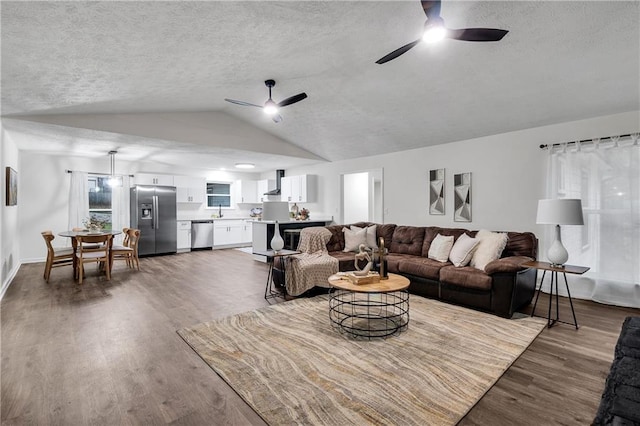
(150, 78)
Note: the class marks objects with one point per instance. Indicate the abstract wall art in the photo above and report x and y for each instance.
(436, 191)
(462, 197)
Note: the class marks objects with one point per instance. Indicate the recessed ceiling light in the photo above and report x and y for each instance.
(245, 165)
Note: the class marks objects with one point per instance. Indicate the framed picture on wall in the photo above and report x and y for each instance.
(462, 197)
(436, 191)
(12, 187)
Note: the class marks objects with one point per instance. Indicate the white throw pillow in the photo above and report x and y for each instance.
(440, 248)
(371, 235)
(353, 239)
(462, 250)
(489, 248)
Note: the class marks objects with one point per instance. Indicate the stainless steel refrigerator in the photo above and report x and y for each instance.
(153, 211)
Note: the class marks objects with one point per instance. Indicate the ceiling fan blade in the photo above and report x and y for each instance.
(243, 103)
(431, 8)
(276, 118)
(397, 52)
(476, 34)
(292, 100)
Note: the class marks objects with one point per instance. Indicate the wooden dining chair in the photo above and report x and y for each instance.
(55, 256)
(84, 230)
(128, 251)
(91, 253)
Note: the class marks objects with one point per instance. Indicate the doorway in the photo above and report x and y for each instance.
(362, 196)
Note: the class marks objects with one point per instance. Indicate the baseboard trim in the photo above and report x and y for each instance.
(7, 283)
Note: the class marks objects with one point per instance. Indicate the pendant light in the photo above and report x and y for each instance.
(113, 179)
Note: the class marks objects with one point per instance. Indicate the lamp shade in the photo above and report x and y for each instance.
(275, 210)
(560, 212)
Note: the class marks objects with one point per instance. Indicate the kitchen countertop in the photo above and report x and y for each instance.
(313, 219)
(215, 218)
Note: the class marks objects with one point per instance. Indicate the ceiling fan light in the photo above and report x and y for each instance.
(434, 31)
(270, 107)
(245, 165)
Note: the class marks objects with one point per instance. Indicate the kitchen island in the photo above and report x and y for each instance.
(263, 231)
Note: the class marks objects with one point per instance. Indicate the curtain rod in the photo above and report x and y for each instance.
(544, 146)
(98, 174)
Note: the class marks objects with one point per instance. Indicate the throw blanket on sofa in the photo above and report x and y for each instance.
(314, 265)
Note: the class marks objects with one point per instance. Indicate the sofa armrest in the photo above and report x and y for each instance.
(507, 264)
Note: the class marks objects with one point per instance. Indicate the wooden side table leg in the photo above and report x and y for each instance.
(549, 323)
(575, 321)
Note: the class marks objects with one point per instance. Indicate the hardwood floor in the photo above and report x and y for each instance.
(108, 352)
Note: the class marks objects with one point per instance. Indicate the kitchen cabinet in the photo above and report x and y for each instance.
(298, 189)
(153, 179)
(190, 189)
(184, 235)
(246, 191)
(247, 232)
(227, 232)
(263, 186)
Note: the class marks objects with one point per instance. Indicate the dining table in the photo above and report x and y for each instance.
(74, 243)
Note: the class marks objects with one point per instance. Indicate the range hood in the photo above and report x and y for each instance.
(279, 176)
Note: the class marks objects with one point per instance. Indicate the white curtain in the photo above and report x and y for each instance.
(78, 199)
(605, 175)
(120, 207)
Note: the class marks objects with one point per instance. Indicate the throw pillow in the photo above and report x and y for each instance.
(440, 248)
(371, 235)
(489, 248)
(353, 239)
(462, 250)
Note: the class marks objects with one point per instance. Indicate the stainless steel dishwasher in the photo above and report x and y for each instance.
(201, 234)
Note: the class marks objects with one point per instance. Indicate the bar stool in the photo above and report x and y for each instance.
(291, 238)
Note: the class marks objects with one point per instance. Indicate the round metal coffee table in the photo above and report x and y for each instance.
(369, 311)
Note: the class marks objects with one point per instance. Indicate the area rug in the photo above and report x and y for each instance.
(292, 367)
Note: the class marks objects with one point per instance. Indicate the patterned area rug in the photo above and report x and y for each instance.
(290, 366)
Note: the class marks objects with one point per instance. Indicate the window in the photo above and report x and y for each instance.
(218, 194)
(100, 207)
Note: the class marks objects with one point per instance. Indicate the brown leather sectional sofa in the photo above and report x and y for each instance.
(503, 289)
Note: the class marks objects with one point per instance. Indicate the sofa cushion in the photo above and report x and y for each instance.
(462, 250)
(489, 248)
(371, 240)
(336, 242)
(407, 240)
(394, 260)
(421, 267)
(353, 239)
(466, 276)
(385, 231)
(521, 244)
(440, 248)
(431, 232)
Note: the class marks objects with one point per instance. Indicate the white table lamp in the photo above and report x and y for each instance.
(559, 212)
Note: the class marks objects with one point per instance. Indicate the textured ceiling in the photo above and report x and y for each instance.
(561, 61)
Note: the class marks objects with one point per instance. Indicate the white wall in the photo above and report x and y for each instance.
(44, 192)
(508, 175)
(9, 234)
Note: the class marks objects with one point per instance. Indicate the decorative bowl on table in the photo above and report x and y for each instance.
(256, 212)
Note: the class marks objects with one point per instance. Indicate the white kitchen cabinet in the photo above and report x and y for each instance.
(246, 191)
(227, 232)
(263, 186)
(184, 235)
(153, 179)
(298, 189)
(247, 232)
(190, 189)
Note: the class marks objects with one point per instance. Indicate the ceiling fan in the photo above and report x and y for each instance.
(270, 107)
(434, 30)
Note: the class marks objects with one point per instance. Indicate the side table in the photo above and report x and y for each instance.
(269, 291)
(554, 269)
